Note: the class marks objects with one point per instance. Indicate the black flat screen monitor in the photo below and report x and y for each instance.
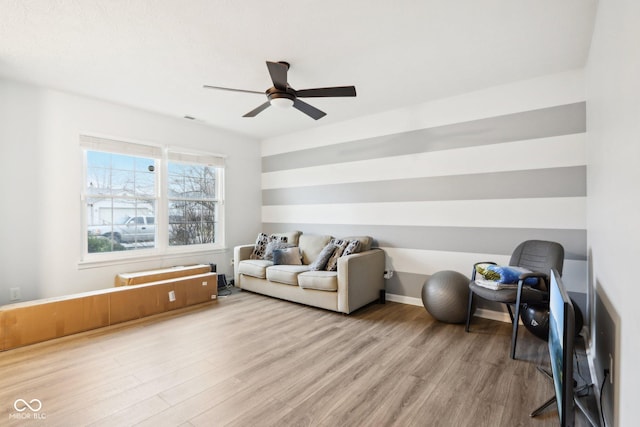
(561, 337)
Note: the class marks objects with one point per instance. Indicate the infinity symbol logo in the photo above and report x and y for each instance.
(21, 405)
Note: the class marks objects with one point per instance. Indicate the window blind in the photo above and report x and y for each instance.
(114, 146)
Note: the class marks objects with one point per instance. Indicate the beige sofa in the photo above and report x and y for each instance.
(358, 280)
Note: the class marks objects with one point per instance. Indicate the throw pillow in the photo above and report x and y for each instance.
(272, 246)
(505, 274)
(352, 248)
(332, 264)
(321, 261)
(261, 245)
(287, 256)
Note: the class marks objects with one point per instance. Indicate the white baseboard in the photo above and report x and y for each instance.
(500, 316)
(403, 299)
(480, 312)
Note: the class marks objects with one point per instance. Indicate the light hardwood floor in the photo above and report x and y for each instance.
(250, 360)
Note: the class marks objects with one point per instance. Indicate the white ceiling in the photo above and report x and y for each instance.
(157, 54)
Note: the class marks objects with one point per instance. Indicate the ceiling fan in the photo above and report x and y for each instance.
(282, 95)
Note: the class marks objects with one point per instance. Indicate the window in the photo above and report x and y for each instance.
(142, 199)
(192, 202)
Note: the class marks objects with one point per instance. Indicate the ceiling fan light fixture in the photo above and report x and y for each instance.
(284, 96)
(282, 102)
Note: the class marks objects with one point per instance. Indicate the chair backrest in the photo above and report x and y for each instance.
(538, 255)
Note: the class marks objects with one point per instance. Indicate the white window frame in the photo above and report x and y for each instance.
(162, 156)
(183, 156)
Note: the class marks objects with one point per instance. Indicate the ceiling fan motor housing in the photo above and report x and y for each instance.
(273, 93)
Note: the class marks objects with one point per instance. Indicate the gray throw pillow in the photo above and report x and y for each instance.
(287, 256)
(272, 246)
(321, 261)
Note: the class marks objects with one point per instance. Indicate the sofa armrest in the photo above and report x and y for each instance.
(240, 253)
(360, 279)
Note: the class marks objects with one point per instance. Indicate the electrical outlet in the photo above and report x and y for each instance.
(214, 296)
(172, 296)
(388, 274)
(15, 294)
(204, 283)
(610, 368)
(232, 262)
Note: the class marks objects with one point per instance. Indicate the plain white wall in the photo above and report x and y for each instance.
(613, 206)
(41, 178)
(19, 178)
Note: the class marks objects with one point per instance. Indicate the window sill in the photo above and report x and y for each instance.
(97, 261)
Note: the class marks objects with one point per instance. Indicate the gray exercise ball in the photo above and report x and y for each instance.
(445, 296)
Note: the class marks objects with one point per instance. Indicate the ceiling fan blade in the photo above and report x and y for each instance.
(278, 72)
(258, 110)
(326, 92)
(232, 90)
(309, 110)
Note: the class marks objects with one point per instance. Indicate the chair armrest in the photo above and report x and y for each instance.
(524, 276)
(473, 273)
(240, 253)
(534, 274)
(543, 293)
(360, 279)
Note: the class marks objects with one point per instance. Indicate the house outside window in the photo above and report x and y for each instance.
(146, 200)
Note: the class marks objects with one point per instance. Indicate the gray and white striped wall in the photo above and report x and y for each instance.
(444, 184)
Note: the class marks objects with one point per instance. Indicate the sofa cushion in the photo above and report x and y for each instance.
(319, 280)
(311, 245)
(254, 267)
(287, 274)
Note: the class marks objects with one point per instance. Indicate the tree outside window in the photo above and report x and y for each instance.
(192, 204)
